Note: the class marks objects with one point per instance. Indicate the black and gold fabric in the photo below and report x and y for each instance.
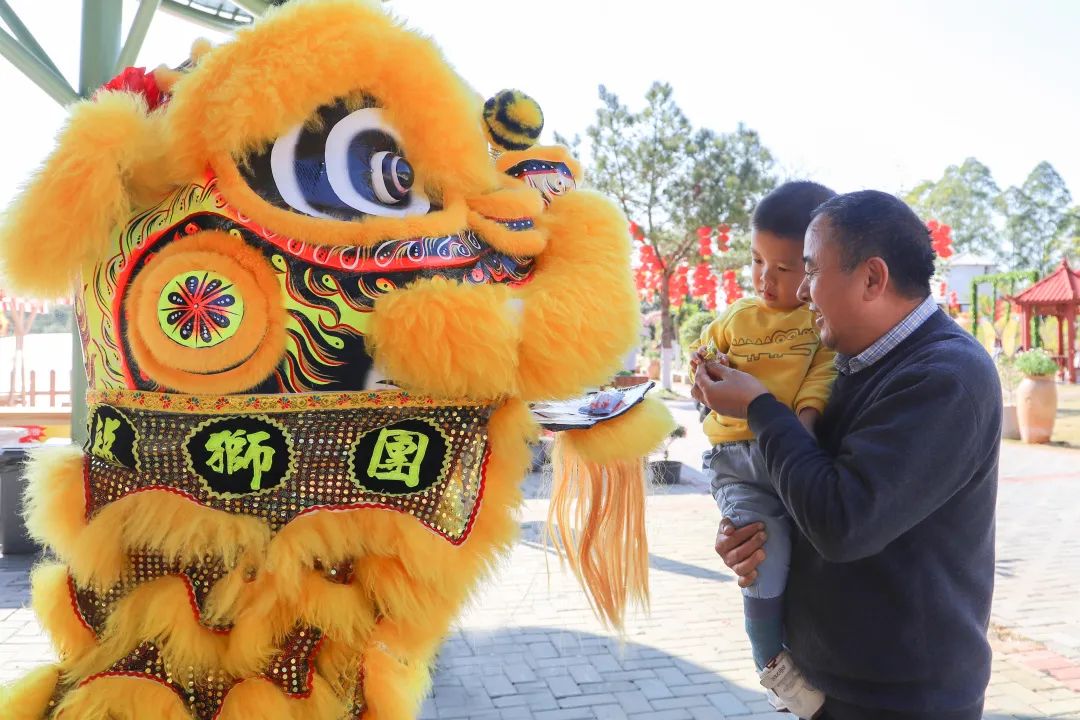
(278, 457)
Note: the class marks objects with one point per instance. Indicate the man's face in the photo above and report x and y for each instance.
(834, 295)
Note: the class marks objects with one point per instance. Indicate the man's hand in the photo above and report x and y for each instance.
(726, 391)
(700, 357)
(741, 550)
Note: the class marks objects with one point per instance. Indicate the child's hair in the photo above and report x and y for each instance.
(787, 210)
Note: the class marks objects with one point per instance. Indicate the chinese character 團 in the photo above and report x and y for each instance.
(235, 450)
(397, 456)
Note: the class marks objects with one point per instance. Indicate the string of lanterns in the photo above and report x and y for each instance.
(685, 281)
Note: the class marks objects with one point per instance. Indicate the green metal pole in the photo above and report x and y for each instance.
(30, 65)
(11, 19)
(101, 30)
(137, 34)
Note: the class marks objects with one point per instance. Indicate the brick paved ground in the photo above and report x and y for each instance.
(529, 647)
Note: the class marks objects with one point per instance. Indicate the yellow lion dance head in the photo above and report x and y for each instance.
(318, 282)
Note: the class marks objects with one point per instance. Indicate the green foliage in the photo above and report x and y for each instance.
(1002, 284)
(1035, 363)
(1038, 220)
(967, 199)
(1072, 235)
(690, 328)
(671, 178)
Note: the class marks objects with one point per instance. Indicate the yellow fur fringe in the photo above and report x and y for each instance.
(448, 340)
(84, 189)
(597, 510)
(255, 699)
(55, 499)
(633, 434)
(28, 698)
(581, 312)
(122, 698)
(50, 594)
(597, 517)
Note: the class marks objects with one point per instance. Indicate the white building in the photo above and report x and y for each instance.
(962, 269)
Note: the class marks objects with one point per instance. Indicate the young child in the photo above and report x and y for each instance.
(773, 337)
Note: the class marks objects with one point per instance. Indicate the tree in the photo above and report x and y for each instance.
(1072, 233)
(671, 180)
(965, 198)
(1038, 220)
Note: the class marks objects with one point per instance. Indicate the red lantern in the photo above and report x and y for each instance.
(703, 279)
(731, 286)
(723, 237)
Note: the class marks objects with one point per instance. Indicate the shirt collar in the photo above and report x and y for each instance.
(888, 342)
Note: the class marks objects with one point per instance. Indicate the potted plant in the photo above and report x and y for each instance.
(1036, 397)
(668, 472)
(1010, 378)
(625, 378)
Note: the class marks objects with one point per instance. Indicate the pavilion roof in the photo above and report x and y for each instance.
(1059, 287)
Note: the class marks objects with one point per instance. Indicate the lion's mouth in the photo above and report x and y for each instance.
(463, 256)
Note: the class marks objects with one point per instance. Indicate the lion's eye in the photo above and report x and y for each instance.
(350, 167)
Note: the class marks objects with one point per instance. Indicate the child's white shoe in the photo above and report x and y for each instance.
(774, 701)
(794, 691)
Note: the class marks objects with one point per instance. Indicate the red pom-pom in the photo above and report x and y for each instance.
(137, 80)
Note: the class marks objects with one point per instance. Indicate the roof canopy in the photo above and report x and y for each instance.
(1061, 287)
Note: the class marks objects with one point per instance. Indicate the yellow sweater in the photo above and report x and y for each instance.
(781, 348)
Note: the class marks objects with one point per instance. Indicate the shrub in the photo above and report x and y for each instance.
(1036, 363)
(691, 328)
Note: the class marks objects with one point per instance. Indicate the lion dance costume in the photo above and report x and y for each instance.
(318, 283)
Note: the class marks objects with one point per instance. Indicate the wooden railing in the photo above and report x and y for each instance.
(29, 398)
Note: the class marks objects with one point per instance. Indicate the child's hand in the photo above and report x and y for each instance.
(697, 358)
(707, 354)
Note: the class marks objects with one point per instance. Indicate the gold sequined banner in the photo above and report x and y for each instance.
(280, 457)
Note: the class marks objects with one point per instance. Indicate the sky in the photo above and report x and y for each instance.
(853, 94)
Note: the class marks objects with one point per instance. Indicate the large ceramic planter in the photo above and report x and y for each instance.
(1036, 408)
(654, 370)
(1010, 423)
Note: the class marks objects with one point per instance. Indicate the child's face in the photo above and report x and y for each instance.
(777, 269)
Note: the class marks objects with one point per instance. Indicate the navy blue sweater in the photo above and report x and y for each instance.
(892, 570)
